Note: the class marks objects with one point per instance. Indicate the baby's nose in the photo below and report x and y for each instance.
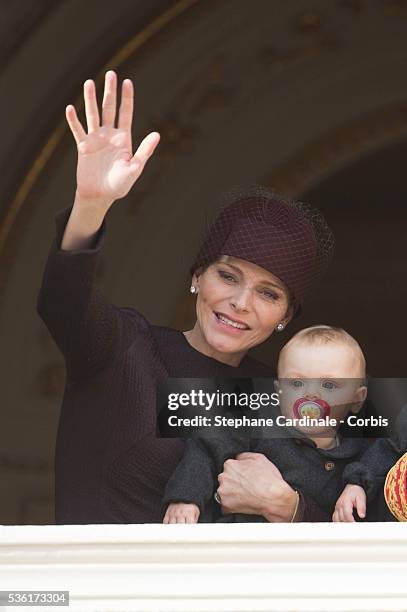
(312, 396)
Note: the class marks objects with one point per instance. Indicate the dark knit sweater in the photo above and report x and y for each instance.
(109, 466)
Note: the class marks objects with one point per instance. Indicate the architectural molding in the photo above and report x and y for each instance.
(222, 568)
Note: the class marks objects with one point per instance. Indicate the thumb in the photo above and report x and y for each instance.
(145, 150)
(361, 504)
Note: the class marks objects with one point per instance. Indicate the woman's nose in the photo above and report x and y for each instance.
(240, 301)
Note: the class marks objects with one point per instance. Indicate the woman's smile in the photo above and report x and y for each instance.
(229, 324)
(239, 304)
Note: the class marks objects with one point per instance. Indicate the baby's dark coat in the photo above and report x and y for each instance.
(317, 473)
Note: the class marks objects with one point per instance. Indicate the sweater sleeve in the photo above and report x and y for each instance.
(371, 469)
(195, 477)
(86, 327)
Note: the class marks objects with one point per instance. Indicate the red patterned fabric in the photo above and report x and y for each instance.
(395, 489)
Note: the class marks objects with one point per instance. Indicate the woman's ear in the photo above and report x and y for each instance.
(359, 399)
(289, 315)
(195, 277)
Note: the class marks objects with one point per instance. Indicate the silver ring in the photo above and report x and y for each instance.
(217, 498)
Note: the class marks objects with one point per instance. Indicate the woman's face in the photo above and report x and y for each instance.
(239, 304)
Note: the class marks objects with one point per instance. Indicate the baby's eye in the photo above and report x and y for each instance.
(329, 384)
(226, 276)
(297, 384)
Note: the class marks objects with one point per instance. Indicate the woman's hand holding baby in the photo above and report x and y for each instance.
(181, 513)
(353, 496)
(251, 484)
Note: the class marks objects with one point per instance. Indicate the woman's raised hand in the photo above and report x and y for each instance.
(107, 168)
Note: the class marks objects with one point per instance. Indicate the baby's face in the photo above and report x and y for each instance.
(320, 380)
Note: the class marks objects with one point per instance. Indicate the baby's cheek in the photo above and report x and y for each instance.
(340, 410)
(287, 401)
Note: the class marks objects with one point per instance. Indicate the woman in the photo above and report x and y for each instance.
(110, 466)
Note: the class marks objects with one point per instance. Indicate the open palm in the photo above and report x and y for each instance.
(107, 168)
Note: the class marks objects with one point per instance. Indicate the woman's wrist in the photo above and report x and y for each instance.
(84, 222)
(296, 508)
(282, 504)
(98, 205)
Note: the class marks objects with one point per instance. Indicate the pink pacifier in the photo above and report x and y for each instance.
(314, 409)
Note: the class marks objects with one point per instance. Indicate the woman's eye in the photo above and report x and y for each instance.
(270, 295)
(328, 384)
(226, 276)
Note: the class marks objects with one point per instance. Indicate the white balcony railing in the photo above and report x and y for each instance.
(234, 568)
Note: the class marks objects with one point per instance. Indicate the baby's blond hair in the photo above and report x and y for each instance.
(324, 334)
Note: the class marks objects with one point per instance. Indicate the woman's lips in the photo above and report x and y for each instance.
(227, 327)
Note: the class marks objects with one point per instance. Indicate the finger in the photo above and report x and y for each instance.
(348, 512)
(243, 456)
(74, 124)
(126, 106)
(109, 99)
(91, 107)
(145, 150)
(361, 505)
(335, 518)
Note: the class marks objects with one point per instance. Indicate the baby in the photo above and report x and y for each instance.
(321, 375)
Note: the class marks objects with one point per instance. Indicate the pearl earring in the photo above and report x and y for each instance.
(193, 289)
(280, 327)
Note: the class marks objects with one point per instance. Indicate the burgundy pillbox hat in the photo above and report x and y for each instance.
(290, 239)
